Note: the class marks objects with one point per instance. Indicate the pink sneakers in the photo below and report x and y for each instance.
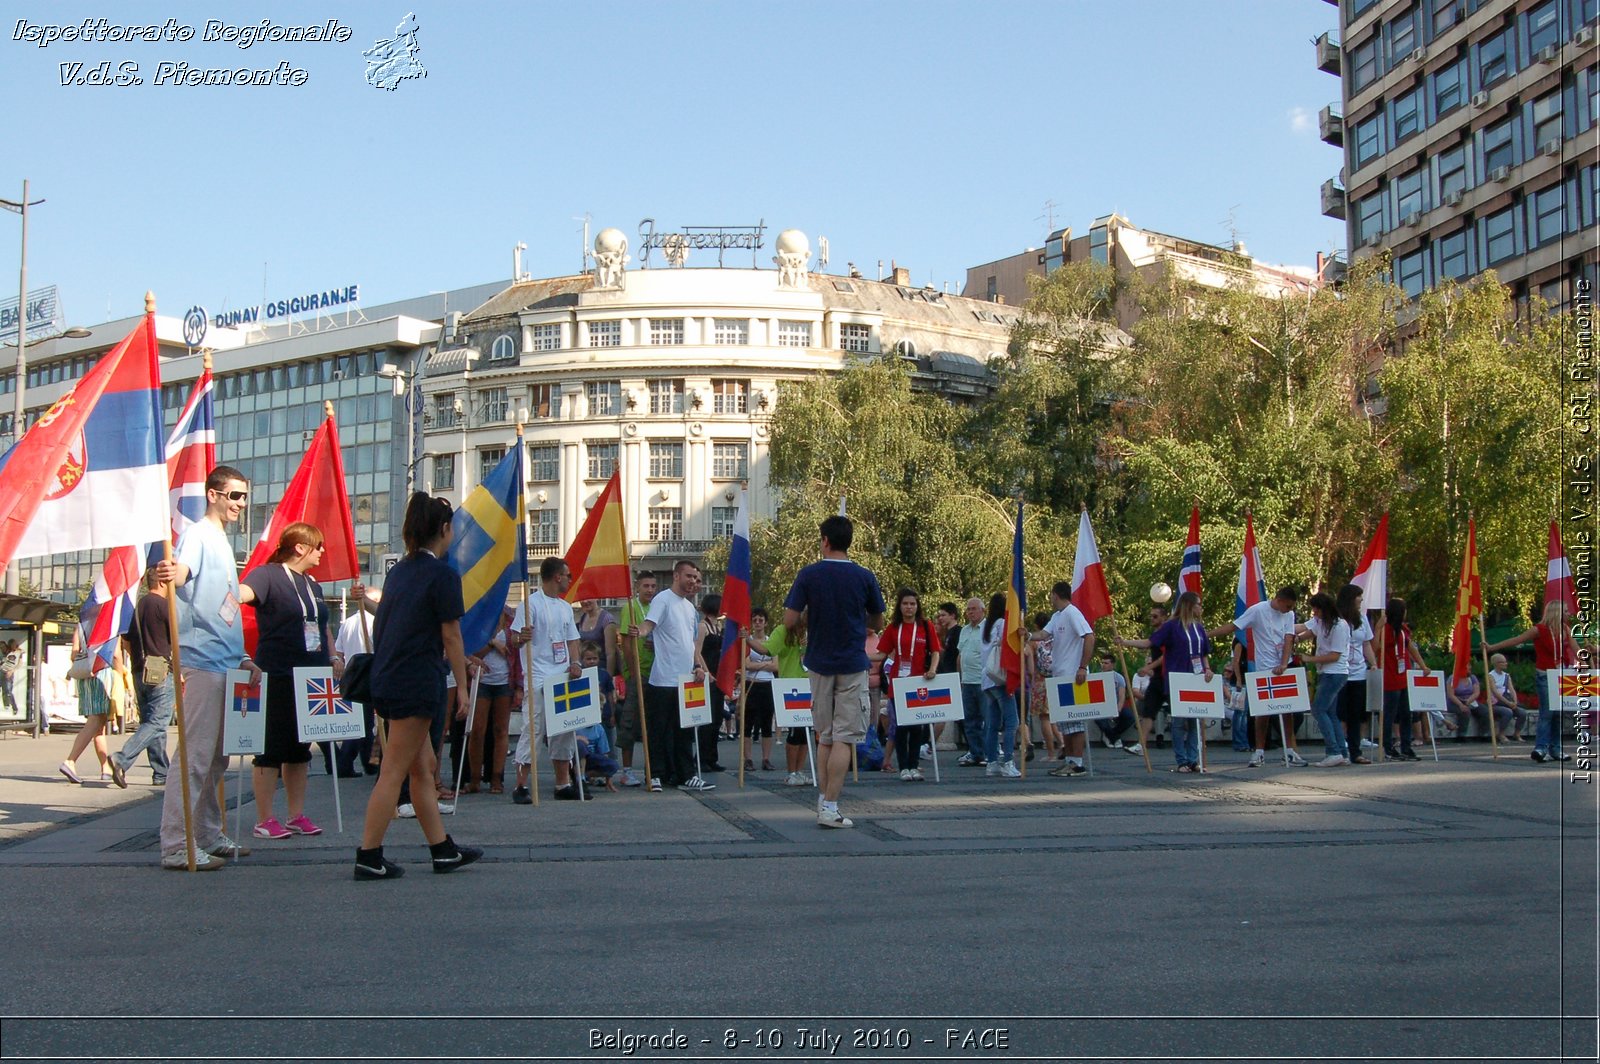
(302, 825)
(271, 829)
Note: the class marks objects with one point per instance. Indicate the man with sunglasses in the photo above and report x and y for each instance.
(210, 642)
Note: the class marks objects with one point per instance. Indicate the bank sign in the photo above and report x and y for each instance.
(43, 314)
(197, 319)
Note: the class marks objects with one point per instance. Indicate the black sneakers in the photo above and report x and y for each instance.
(447, 856)
(522, 796)
(371, 864)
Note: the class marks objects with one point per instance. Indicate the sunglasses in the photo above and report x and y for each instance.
(233, 496)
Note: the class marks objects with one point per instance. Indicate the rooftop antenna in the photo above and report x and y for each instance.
(584, 251)
(516, 262)
(1048, 217)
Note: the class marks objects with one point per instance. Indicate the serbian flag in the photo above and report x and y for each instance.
(1469, 603)
(598, 557)
(735, 599)
(1372, 572)
(1089, 591)
(1558, 586)
(1252, 586)
(90, 473)
(1189, 571)
(1016, 605)
(316, 496)
(191, 452)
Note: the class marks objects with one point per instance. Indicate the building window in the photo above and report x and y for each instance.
(1402, 34)
(1408, 195)
(444, 410)
(666, 331)
(666, 396)
(1098, 246)
(666, 523)
(1445, 14)
(544, 462)
(1409, 273)
(1369, 217)
(1498, 147)
(488, 458)
(444, 472)
(730, 461)
(1449, 88)
(794, 334)
(1452, 172)
(1546, 216)
(666, 459)
(544, 401)
(729, 396)
(605, 398)
(1496, 58)
(1453, 261)
(547, 337)
(1544, 27)
(504, 349)
(1547, 120)
(722, 521)
(991, 288)
(605, 333)
(1500, 236)
(1364, 67)
(1369, 139)
(602, 458)
(854, 337)
(545, 528)
(731, 332)
(1407, 112)
(495, 404)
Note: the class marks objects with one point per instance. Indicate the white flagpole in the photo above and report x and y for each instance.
(472, 709)
(238, 792)
(338, 810)
(811, 758)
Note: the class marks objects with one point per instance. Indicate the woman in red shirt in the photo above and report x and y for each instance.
(1399, 654)
(911, 647)
(1553, 647)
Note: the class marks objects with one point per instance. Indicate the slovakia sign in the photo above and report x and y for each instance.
(920, 701)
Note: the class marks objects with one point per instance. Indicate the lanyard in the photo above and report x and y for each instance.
(903, 652)
(307, 602)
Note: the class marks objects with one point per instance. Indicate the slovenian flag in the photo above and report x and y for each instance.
(91, 472)
(797, 701)
(735, 599)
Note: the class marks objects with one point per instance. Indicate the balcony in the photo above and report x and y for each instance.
(675, 548)
(1328, 54)
(1330, 126)
(1332, 200)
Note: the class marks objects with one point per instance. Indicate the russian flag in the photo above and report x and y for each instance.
(1252, 587)
(735, 599)
(1189, 571)
(91, 472)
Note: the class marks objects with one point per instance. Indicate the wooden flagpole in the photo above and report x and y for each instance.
(744, 696)
(630, 645)
(1488, 687)
(177, 711)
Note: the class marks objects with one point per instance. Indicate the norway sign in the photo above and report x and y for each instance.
(1093, 699)
(1195, 696)
(919, 701)
(1270, 695)
(571, 704)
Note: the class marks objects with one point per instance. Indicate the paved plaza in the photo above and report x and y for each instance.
(1431, 911)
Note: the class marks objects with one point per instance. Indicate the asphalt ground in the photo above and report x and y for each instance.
(1424, 911)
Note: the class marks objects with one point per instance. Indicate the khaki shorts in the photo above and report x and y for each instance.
(562, 747)
(839, 707)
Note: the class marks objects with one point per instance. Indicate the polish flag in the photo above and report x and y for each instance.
(1089, 591)
(1372, 572)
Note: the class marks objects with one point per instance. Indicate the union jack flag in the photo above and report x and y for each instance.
(322, 695)
(1269, 687)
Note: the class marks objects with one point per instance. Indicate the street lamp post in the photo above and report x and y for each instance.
(21, 207)
(405, 384)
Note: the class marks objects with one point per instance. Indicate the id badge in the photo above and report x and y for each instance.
(903, 668)
(229, 610)
(313, 632)
(558, 652)
(1197, 665)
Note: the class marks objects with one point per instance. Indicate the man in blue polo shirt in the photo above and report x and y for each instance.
(841, 599)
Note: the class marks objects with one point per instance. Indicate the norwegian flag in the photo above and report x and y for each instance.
(1189, 571)
(191, 452)
(1252, 587)
(322, 696)
(1269, 687)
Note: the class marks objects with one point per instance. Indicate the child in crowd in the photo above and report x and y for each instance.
(596, 742)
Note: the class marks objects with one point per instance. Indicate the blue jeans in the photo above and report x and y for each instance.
(972, 718)
(1547, 737)
(1186, 740)
(1240, 728)
(155, 714)
(1325, 711)
(999, 724)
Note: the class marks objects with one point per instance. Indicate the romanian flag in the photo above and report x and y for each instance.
(1016, 605)
(1469, 603)
(598, 557)
(1090, 693)
(490, 548)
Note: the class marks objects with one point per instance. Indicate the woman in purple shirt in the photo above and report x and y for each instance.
(1187, 648)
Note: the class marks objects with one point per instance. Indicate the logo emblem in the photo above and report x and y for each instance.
(194, 326)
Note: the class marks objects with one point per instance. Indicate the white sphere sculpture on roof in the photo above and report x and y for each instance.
(610, 255)
(793, 252)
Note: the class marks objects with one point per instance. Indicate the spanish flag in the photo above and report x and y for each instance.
(598, 557)
(1469, 603)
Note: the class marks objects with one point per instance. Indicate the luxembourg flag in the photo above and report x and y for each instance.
(1089, 591)
(1372, 572)
(735, 599)
(1252, 587)
(91, 473)
(1189, 571)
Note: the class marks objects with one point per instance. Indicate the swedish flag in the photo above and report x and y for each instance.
(490, 548)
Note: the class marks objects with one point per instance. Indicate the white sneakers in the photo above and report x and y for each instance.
(406, 811)
(795, 779)
(1296, 761)
(1257, 759)
(832, 818)
(1333, 760)
(1133, 748)
(1009, 770)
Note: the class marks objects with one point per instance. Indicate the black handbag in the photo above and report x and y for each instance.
(355, 685)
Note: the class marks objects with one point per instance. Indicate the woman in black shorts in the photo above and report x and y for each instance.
(758, 710)
(416, 633)
(292, 627)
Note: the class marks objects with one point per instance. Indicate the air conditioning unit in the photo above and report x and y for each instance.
(1452, 199)
(1548, 53)
(1480, 99)
(1371, 240)
(1584, 36)
(1411, 219)
(1499, 173)
(1418, 55)
(1551, 147)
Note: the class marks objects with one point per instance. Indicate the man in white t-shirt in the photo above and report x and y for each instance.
(1271, 626)
(543, 630)
(355, 637)
(1071, 639)
(671, 625)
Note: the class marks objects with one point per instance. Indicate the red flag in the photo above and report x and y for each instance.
(316, 496)
(1469, 603)
(1089, 591)
(1372, 571)
(1016, 606)
(598, 557)
(1558, 585)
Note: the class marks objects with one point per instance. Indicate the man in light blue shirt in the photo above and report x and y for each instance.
(969, 654)
(210, 642)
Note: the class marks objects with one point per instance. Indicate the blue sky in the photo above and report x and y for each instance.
(931, 133)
